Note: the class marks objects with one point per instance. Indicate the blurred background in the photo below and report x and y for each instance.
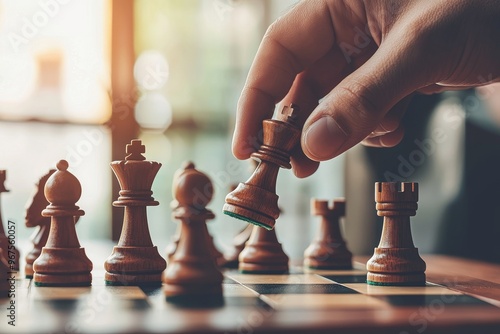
(79, 79)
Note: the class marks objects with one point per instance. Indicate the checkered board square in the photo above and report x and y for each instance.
(322, 289)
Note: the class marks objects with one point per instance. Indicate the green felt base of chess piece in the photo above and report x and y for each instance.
(73, 284)
(396, 284)
(248, 220)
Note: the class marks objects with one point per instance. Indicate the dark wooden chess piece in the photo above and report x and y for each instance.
(10, 252)
(34, 218)
(263, 254)
(396, 260)
(328, 250)
(239, 241)
(63, 261)
(135, 261)
(174, 243)
(255, 201)
(192, 271)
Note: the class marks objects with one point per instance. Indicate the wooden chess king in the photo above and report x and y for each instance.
(135, 261)
(255, 201)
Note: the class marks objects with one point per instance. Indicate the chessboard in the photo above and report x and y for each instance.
(303, 301)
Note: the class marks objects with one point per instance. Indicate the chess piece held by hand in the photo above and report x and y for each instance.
(255, 201)
(62, 261)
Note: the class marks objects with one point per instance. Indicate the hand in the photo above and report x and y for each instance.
(364, 59)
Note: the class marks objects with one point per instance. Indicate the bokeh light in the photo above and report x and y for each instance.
(153, 112)
(151, 70)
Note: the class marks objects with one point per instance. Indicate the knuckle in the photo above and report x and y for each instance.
(366, 110)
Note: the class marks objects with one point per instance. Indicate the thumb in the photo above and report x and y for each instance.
(356, 106)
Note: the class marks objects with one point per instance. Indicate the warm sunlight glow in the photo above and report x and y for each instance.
(54, 60)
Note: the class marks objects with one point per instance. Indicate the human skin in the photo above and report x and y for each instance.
(363, 60)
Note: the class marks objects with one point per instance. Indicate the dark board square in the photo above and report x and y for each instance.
(346, 278)
(60, 305)
(238, 301)
(432, 300)
(151, 290)
(272, 289)
(196, 302)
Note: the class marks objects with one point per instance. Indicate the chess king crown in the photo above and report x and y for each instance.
(136, 176)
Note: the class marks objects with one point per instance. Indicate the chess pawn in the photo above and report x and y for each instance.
(217, 256)
(135, 261)
(62, 261)
(263, 254)
(328, 250)
(255, 201)
(396, 260)
(7, 248)
(174, 243)
(34, 218)
(193, 271)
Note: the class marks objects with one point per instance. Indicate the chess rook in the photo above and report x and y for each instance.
(4, 240)
(192, 271)
(263, 254)
(396, 260)
(34, 218)
(328, 250)
(62, 261)
(255, 201)
(135, 261)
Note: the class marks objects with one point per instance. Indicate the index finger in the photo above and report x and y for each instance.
(292, 43)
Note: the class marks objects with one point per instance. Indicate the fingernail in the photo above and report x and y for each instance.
(324, 138)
